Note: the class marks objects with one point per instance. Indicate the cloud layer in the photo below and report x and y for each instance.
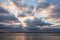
(30, 15)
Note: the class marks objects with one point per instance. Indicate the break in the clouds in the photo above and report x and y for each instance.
(37, 22)
(30, 13)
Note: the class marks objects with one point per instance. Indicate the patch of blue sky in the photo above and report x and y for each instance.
(8, 2)
(31, 2)
(38, 15)
(2, 0)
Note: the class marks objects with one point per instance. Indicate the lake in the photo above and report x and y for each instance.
(29, 36)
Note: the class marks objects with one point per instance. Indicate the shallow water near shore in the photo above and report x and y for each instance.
(29, 36)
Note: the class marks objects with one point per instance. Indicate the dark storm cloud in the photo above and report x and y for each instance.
(42, 5)
(32, 25)
(37, 22)
(27, 13)
(7, 15)
(11, 28)
(56, 12)
(2, 10)
(9, 18)
(21, 15)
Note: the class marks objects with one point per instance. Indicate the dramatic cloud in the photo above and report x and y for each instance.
(30, 14)
(37, 22)
(6, 16)
(11, 28)
(11, 18)
(3, 10)
(56, 12)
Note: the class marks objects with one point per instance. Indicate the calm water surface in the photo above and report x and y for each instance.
(29, 36)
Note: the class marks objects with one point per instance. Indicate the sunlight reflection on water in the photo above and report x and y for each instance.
(28, 36)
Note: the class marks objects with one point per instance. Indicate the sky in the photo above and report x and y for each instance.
(30, 13)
